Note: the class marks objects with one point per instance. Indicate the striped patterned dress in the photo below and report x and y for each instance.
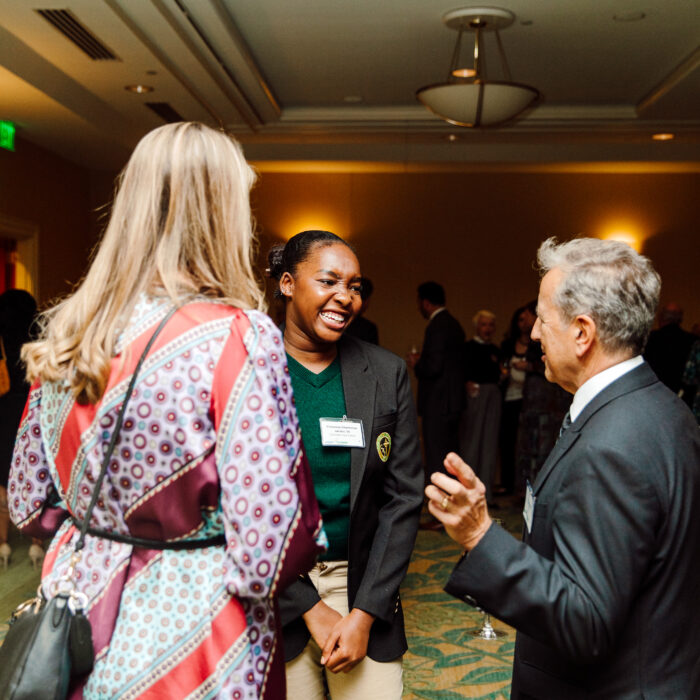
(209, 445)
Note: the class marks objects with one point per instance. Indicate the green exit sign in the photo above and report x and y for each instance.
(7, 135)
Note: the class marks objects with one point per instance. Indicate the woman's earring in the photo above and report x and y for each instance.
(286, 287)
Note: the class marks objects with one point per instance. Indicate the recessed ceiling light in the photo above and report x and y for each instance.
(633, 16)
(452, 137)
(663, 137)
(352, 98)
(139, 89)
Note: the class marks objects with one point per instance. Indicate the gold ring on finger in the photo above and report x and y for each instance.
(444, 503)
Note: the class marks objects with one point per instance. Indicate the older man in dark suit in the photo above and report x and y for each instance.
(603, 589)
(440, 373)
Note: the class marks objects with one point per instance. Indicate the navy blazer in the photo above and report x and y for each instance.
(385, 502)
(605, 589)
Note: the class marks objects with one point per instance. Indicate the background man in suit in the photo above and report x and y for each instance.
(362, 327)
(669, 346)
(603, 589)
(439, 370)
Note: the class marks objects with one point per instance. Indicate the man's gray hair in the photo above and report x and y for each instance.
(483, 313)
(608, 281)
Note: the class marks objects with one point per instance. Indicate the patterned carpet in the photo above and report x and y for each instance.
(444, 660)
(19, 582)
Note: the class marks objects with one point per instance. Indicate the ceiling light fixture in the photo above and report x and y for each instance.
(139, 89)
(468, 98)
(663, 137)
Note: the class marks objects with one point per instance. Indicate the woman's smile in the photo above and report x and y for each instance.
(334, 319)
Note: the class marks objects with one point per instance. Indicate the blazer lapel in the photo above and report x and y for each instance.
(636, 379)
(359, 387)
(558, 451)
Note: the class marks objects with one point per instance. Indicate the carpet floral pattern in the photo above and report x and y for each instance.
(19, 582)
(444, 661)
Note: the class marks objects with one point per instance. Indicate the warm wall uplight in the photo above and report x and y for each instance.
(311, 222)
(633, 240)
(623, 226)
(663, 137)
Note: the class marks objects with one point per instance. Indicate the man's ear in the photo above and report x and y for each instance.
(586, 331)
(286, 284)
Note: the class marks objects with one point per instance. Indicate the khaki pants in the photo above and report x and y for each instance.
(369, 680)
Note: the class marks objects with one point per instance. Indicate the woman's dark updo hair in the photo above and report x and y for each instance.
(286, 258)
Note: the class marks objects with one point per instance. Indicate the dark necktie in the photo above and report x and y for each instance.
(565, 424)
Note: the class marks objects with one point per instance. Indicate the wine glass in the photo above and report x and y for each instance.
(486, 631)
(412, 356)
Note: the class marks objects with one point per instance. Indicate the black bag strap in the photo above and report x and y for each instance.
(117, 428)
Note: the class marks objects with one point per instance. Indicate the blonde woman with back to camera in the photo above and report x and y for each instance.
(206, 508)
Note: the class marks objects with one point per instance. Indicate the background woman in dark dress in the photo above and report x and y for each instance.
(481, 418)
(544, 406)
(17, 311)
(345, 616)
(515, 365)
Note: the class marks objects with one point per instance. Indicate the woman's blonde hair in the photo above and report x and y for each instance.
(180, 226)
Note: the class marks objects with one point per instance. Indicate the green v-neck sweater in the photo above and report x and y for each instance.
(321, 396)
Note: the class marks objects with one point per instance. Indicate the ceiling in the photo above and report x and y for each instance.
(335, 80)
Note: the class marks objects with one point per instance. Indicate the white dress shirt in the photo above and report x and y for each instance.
(436, 312)
(591, 388)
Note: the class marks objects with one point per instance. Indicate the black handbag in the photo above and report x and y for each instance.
(50, 641)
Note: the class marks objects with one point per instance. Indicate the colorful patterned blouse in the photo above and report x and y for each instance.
(209, 445)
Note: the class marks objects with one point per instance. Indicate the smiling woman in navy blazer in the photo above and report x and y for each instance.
(345, 616)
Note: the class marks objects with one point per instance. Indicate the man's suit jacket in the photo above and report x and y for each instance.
(440, 369)
(605, 589)
(385, 502)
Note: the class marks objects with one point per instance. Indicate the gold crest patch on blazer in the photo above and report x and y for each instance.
(384, 446)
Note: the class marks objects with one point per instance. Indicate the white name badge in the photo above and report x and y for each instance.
(529, 509)
(342, 432)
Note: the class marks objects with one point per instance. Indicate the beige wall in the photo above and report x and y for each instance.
(42, 189)
(477, 233)
(474, 232)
